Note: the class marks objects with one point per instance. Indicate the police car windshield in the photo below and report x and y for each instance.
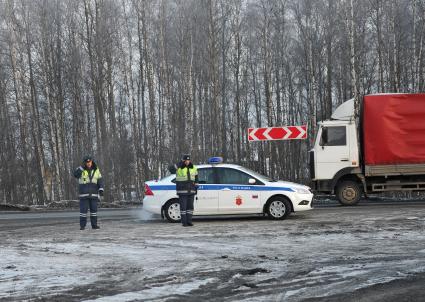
(257, 175)
(168, 177)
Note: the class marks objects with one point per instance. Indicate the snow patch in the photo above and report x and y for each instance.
(168, 290)
(412, 218)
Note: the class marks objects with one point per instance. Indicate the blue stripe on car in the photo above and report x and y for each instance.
(220, 187)
(163, 188)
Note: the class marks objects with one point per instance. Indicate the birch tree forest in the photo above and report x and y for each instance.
(138, 83)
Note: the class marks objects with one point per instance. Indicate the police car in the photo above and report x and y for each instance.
(229, 189)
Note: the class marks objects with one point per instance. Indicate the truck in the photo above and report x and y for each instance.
(380, 149)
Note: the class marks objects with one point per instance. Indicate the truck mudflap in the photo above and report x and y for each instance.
(323, 185)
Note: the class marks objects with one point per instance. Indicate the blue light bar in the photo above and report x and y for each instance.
(215, 160)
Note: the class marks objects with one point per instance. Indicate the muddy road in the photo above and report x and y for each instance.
(371, 252)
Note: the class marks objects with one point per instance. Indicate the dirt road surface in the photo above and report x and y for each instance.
(371, 252)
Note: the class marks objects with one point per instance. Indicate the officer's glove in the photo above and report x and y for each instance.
(78, 172)
(101, 193)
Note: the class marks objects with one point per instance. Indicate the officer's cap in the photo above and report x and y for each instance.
(87, 158)
(186, 157)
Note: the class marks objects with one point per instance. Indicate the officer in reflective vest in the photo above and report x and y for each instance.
(186, 187)
(90, 187)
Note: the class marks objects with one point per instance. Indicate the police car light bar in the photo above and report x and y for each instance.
(215, 160)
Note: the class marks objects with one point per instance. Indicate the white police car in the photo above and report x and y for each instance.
(229, 189)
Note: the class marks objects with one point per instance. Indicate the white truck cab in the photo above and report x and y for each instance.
(335, 154)
(335, 149)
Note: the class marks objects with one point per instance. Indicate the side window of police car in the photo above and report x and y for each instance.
(206, 176)
(234, 177)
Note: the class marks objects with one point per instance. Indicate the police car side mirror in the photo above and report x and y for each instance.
(252, 181)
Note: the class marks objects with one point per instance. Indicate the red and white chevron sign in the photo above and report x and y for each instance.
(277, 133)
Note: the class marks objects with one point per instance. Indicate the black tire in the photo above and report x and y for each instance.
(348, 192)
(172, 211)
(278, 208)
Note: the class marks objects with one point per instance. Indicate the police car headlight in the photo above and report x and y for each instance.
(301, 190)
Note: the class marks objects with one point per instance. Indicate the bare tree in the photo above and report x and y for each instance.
(138, 83)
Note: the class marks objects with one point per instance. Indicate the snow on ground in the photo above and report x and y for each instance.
(318, 253)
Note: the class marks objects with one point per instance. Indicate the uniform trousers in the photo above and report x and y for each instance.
(85, 204)
(186, 208)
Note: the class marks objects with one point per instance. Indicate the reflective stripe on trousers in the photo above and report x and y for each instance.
(89, 195)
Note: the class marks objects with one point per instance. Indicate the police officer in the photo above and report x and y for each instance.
(186, 186)
(90, 187)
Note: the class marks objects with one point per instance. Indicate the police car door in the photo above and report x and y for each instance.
(236, 195)
(206, 201)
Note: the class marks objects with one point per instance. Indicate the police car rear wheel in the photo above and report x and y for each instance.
(278, 208)
(172, 211)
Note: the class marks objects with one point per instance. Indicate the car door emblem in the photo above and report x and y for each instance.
(238, 200)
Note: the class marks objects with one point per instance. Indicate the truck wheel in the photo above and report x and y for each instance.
(278, 208)
(172, 210)
(348, 192)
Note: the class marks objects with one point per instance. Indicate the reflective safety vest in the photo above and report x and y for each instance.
(89, 183)
(185, 180)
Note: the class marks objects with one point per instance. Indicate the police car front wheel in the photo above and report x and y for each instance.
(278, 208)
(172, 210)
